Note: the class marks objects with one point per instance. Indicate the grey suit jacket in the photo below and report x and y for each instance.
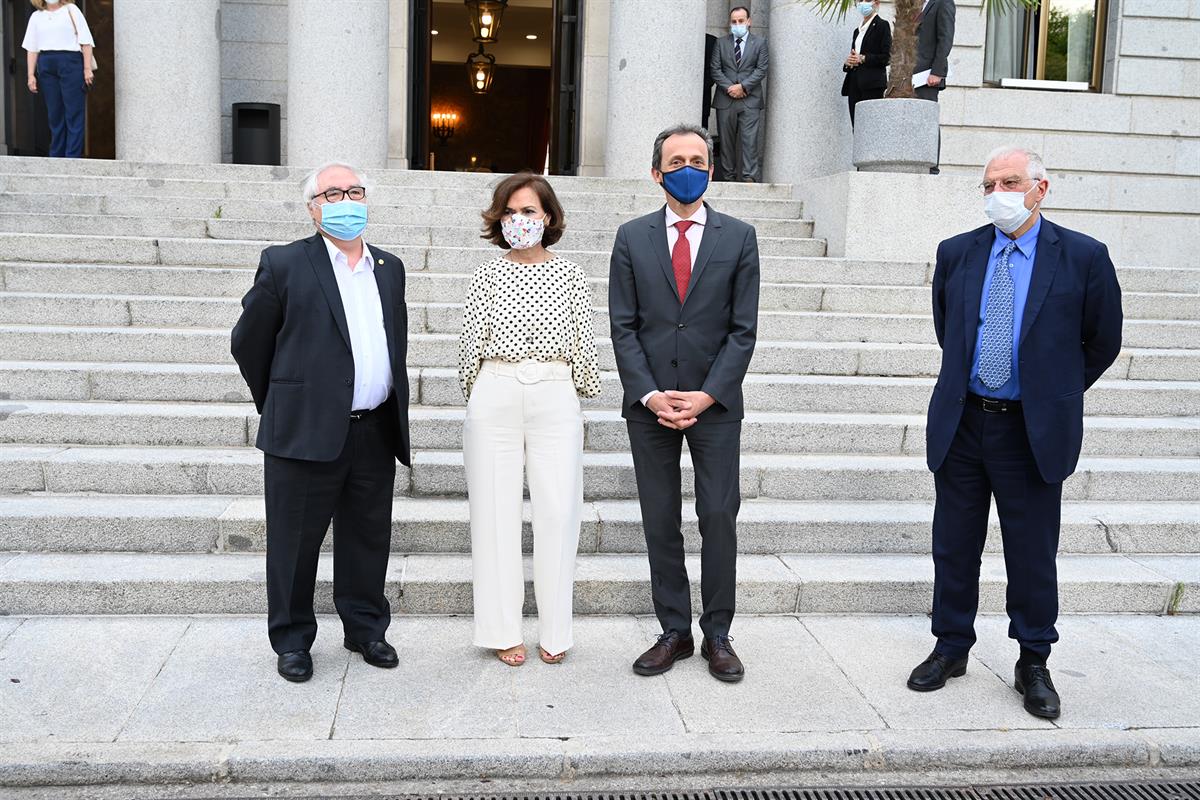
(750, 73)
(935, 37)
(704, 344)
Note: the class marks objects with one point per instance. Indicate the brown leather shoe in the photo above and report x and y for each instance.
(723, 663)
(670, 647)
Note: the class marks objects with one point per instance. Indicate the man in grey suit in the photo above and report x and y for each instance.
(738, 67)
(935, 37)
(683, 303)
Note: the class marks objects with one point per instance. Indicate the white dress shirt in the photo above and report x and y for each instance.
(862, 33)
(52, 30)
(694, 234)
(364, 319)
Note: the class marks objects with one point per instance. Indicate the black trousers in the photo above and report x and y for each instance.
(990, 456)
(355, 492)
(856, 94)
(715, 450)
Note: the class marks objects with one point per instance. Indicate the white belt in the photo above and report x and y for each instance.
(529, 372)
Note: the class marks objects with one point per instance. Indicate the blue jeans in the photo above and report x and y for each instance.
(60, 82)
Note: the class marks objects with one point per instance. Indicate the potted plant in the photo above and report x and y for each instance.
(900, 132)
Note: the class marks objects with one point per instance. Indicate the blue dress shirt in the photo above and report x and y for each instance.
(1020, 266)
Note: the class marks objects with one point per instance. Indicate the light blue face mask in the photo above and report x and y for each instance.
(738, 31)
(866, 9)
(344, 220)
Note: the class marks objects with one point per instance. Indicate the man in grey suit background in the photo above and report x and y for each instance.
(935, 37)
(683, 304)
(738, 67)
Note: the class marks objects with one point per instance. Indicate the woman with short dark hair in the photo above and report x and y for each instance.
(58, 45)
(527, 355)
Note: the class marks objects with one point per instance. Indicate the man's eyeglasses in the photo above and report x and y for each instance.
(355, 193)
(1007, 185)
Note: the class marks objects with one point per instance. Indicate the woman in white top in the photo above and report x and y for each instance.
(527, 354)
(58, 46)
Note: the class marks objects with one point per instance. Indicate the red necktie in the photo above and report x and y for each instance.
(681, 257)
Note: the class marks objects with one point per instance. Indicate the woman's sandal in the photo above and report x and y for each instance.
(549, 659)
(513, 656)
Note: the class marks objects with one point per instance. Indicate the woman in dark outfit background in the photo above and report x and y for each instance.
(870, 52)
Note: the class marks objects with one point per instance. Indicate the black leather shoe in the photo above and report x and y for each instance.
(295, 666)
(1041, 699)
(933, 672)
(670, 647)
(377, 654)
(723, 663)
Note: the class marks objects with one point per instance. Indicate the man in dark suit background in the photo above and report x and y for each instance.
(322, 343)
(683, 304)
(738, 66)
(935, 37)
(1028, 315)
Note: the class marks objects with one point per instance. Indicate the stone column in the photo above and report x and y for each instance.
(808, 126)
(398, 84)
(168, 78)
(338, 83)
(655, 78)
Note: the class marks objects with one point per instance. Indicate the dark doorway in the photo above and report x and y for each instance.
(26, 130)
(527, 119)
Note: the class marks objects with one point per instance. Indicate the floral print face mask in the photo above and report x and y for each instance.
(522, 232)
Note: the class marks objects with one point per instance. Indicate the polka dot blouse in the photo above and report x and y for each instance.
(520, 312)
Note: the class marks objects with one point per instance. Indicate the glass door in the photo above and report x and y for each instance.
(1057, 44)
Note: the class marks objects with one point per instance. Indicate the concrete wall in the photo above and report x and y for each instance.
(1158, 48)
(253, 62)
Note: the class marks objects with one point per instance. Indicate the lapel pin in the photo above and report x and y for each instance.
(381, 261)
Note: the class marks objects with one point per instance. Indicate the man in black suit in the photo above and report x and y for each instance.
(1028, 315)
(683, 303)
(321, 343)
(738, 66)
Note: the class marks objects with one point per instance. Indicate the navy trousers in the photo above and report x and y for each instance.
(60, 82)
(990, 456)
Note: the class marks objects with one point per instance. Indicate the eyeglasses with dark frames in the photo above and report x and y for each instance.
(355, 193)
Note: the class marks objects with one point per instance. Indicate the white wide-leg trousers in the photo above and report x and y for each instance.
(524, 418)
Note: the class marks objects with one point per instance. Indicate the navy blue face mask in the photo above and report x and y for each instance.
(686, 184)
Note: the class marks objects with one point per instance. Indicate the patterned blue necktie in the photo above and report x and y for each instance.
(995, 349)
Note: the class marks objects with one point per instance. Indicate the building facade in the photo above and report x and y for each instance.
(1107, 90)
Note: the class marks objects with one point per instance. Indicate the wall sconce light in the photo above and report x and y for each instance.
(481, 68)
(485, 19)
(443, 125)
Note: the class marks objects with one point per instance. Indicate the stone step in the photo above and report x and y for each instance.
(67, 469)
(57, 248)
(202, 524)
(236, 425)
(243, 174)
(211, 346)
(268, 201)
(434, 387)
(807, 282)
(782, 315)
(195, 209)
(93, 583)
(257, 230)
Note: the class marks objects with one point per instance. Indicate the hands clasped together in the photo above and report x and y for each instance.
(679, 410)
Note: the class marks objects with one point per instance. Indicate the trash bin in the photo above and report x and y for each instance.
(256, 133)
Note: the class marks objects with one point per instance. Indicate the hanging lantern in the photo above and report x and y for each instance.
(485, 19)
(481, 68)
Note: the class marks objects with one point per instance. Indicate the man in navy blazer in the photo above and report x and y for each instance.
(1028, 315)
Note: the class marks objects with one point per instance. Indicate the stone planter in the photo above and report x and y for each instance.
(895, 135)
